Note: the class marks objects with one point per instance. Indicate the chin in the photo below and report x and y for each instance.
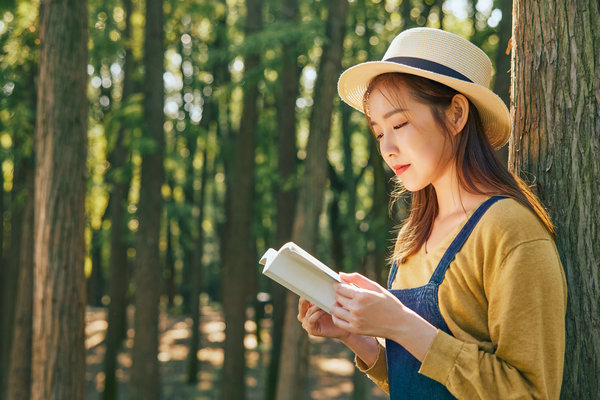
(412, 186)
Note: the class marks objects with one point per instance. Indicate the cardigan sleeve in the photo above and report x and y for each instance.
(526, 295)
(378, 371)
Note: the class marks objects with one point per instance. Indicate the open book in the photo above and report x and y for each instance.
(303, 274)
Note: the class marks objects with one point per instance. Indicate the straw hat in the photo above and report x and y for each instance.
(443, 57)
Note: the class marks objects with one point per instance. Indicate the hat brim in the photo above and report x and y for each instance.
(494, 115)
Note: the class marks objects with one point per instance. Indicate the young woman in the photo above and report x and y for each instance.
(476, 295)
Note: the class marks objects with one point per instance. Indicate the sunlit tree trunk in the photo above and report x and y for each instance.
(555, 142)
(238, 255)
(145, 369)
(294, 357)
(59, 217)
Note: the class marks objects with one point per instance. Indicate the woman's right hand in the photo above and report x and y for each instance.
(317, 322)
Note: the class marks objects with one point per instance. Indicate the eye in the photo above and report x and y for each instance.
(378, 136)
(398, 126)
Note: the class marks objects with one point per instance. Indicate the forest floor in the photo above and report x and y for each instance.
(330, 373)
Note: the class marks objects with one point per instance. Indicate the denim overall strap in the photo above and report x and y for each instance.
(460, 239)
(405, 381)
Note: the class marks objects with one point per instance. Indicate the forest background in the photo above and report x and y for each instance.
(187, 137)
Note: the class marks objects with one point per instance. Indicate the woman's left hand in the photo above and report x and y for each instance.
(367, 308)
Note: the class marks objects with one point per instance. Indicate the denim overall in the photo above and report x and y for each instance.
(404, 380)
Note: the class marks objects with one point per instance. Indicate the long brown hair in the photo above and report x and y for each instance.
(479, 169)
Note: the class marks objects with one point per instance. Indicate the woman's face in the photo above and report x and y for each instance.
(411, 142)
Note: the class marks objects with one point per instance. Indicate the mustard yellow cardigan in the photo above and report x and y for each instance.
(504, 300)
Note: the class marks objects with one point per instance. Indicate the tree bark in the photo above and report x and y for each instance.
(239, 253)
(145, 369)
(59, 216)
(294, 358)
(556, 117)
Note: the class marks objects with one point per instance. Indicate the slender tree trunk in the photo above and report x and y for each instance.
(355, 257)
(145, 369)
(118, 279)
(556, 137)
(286, 191)
(12, 264)
(238, 256)
(59, 216)
(294, 358)
(19, 381)
(95, 283)
(502, 60)
(192, 363)
(169, 288)
(379, 230)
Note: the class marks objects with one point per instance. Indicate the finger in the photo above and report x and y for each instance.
(340, 312)
(341, 323)
(303, 306)
(315, 316)
(360, 281)
(349, 291)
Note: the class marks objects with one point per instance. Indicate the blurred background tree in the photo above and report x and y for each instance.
(214, 133)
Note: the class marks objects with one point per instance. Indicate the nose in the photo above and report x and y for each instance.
(387, 146)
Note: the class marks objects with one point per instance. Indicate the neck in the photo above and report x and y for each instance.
(453, 199)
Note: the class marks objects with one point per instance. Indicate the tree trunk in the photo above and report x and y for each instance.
(196, 286)
(294, 358)
(118, 279)
(238, 255)
(286, 191)
(95, 283)
(12, 263)
(502, 59)
(556, 117)
(19, 379)
(59, 216)
(145, 369)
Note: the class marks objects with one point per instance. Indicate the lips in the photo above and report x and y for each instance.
(400, 168)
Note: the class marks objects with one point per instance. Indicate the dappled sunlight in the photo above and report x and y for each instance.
(124, 359)
(330, 376)
(94, 340)
(342, 390)
(250, 342)
(211, 355)
(338, 366)
(214, 331)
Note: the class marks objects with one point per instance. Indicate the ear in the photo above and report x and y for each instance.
(457, 113)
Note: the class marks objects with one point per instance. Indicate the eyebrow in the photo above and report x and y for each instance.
(390, 113)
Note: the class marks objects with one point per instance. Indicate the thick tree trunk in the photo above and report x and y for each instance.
(294, 358)
(556, 117)
(19, 381)
(286, 191)
(145, 369)
(59, 216)
(238, 255)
